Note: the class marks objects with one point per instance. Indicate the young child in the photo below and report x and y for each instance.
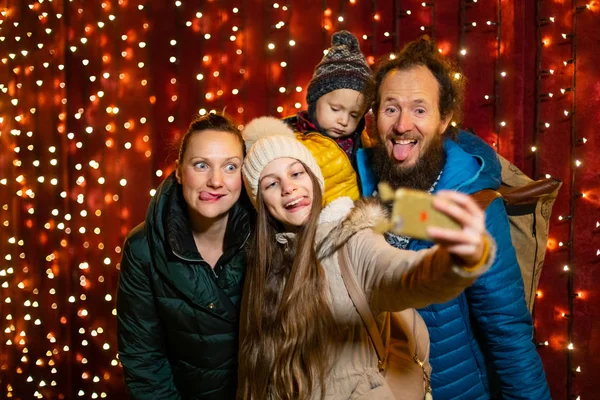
(338, 97)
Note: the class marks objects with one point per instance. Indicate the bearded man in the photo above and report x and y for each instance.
(482, 341)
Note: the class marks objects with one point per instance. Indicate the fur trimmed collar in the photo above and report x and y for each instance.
(352, 217)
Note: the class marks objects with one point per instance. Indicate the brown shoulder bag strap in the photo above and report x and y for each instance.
(362, 305)
(485, 197)
(526, 194)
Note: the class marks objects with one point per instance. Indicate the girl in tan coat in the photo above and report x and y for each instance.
(300, 335)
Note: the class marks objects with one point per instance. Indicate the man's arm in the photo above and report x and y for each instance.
(395, 279)
(497, 305)
(141, 348)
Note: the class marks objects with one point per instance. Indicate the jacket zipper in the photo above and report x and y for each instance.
(194, 261)
(199, 261)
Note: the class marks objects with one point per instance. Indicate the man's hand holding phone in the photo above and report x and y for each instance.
(449, 218)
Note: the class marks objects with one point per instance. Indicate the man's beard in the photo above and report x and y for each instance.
(422, 175)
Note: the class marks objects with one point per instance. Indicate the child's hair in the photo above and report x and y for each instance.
(288, 336)
(342, 67)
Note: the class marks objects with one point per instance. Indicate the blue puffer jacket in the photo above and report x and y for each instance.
(489, 324)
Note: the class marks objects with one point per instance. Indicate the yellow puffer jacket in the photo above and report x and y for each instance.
(340, 178)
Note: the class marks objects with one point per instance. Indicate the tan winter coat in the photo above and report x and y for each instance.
(392, 279)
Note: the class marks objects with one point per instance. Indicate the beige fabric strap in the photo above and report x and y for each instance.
(362, 305)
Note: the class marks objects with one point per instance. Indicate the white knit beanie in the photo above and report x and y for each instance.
(269, 138)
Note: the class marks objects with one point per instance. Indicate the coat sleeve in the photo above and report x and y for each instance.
(140, 338)
(501, 318)
(395, 279)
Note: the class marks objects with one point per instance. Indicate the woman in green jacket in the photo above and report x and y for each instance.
(182, 272)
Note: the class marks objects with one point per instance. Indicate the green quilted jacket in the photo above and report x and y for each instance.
(177, 317)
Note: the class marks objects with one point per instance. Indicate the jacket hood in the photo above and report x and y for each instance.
(471, 166)
(344, 218)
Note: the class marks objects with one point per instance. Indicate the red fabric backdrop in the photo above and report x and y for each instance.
(105, 126)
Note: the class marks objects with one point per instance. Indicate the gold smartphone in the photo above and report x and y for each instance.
(413, 213)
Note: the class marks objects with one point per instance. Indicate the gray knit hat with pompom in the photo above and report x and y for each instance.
(343, 67)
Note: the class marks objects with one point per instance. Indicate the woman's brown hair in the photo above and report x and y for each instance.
(211, 121)
(286, 328)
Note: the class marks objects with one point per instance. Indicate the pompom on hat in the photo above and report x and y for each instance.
(343, 67)
(267, 139)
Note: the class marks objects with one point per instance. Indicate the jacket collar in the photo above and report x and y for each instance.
(304, 124)
(179, 231)
(464, 172)
(339, 221)
(343, 218)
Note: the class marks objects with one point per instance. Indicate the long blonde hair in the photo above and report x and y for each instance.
(287, 331)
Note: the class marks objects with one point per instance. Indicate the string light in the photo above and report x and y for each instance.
(467, 26)
(66, 193)
(94, 136)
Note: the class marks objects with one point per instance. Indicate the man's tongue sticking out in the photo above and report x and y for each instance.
(401, 151)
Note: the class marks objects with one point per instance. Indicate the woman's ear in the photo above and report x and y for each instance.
(178, 171)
